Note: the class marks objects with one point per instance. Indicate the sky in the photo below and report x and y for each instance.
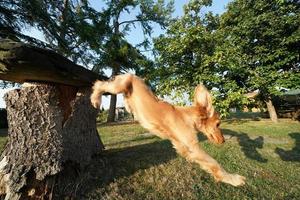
(135, 36)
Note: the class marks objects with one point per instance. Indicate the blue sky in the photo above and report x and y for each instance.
(135, 36)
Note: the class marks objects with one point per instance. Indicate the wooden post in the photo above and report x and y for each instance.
(271, 110)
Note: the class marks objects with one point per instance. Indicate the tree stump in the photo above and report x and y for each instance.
(52, 128)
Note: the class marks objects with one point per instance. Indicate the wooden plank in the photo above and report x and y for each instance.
(21, 62)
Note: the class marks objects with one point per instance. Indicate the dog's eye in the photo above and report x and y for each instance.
(218, 124)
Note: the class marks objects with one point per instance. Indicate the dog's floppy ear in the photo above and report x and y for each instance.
(203, 99)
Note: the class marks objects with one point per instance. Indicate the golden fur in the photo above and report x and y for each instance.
(178, 124)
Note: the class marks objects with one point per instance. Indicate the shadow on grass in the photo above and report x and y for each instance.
(3, 132)
(123, 162)
(239, 121)
(249, 146)
(291, 155)
(243, 117)
(247, 115)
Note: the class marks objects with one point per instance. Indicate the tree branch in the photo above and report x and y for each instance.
(134, 20)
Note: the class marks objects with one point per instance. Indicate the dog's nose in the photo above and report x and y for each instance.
(217, 138)
(220, 139)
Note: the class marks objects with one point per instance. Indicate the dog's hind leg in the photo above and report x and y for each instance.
(119, 84)
(195, 154)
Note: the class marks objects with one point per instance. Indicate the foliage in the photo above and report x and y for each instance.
(69, 26)
(115, 51)
(186, 58)
(253, 45)
(102, 116)
(76, 30)
(261, 44)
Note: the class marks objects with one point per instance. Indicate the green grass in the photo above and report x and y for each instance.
(139, 165)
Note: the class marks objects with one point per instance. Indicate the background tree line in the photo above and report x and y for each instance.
(252, 46)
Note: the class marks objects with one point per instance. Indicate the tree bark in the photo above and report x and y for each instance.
(51, 128)
(112, 108)
(271, 110)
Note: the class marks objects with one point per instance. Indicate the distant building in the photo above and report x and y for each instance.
(288, 104)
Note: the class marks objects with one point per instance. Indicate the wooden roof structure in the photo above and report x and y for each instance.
(21, 62)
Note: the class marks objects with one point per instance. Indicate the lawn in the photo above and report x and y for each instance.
(142, 166)
(137, 165)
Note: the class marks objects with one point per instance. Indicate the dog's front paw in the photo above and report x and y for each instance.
(234, 179)
(95, 100)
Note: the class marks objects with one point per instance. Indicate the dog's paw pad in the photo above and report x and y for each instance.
(235, 180)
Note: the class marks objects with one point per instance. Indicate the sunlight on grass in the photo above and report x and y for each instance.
(146, 167)
(138, 165)
(124, 135)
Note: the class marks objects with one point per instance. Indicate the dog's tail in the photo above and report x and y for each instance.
(203, 99)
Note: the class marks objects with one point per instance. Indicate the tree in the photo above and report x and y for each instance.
(186, 58)
(12, 20)
(70, 27)
(252, 46)
(93, 38)
(261, 46)
(115, 51)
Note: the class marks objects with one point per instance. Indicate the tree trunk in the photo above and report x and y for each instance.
(52, 128)
(112, 108)
(113, 98)
(271, 110)
(115, 71)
